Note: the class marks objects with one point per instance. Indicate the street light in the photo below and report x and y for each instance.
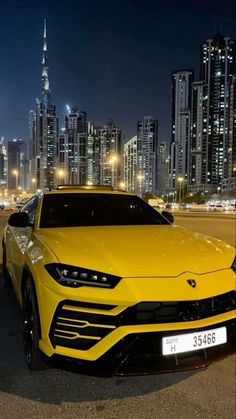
(61, 174)
(33, 180)
(122, 185)
(180, 180)
(113, 161)
(15, 173)
(140, 177)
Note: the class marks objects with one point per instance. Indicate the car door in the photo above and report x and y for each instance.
(19, 240)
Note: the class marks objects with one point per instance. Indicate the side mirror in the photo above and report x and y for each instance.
(168, 216)
(19, 219)
(19, 205)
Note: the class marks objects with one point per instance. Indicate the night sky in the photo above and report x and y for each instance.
(111, 58)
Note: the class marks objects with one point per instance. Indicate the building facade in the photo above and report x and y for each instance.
(163, 178)
(131, 169)
(93, 155)
(232, 130)
(3, 164)
(17, 165)
(198, 168)
(147, 158)
(217, 68)
(71, 166)
(181, 127)
(110, 140)
(213, 97)
(228, 185)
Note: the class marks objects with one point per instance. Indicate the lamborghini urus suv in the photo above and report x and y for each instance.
(106, 280)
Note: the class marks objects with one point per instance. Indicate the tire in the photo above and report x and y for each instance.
(31, 328)
(6, 280)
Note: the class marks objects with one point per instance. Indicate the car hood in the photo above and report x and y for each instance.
(138, 251)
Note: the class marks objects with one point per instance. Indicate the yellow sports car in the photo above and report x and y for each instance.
(105, 279)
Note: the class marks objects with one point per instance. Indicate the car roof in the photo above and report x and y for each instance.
(61, 189)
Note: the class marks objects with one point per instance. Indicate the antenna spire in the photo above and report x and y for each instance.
(45, 79)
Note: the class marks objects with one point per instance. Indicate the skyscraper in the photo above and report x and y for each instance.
(232, 133)
(147, 146)
(72, 149)
(131, 170)
(163, 169)
(17, 165)
(217, 68)
(93, 155)
(3, 164)
(110, 138)
(229, 184)
(45, 130)
(198, 167)
(181, 126)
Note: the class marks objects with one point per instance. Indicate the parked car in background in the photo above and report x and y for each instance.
(215, 207)
(230, 207)
(185, 207)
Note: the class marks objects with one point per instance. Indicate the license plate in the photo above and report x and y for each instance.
(193, 341)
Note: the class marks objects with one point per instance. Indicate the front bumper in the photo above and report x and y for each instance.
(141, 354)
(107, 347)
(122, 328)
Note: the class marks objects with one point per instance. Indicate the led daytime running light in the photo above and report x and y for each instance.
(73, 276)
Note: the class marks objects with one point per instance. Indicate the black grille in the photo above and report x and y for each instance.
(179, 311)
(73, 328)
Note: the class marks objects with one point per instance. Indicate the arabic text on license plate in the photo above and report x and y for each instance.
(193, 341)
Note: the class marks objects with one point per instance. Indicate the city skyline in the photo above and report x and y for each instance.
(203, 136)
(147, 85)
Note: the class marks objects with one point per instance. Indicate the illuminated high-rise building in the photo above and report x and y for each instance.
(229, 184)
(17, 165)
(181, 126)
(198, 166)
(93, 155)
(131, 170)
(31, 133)
(211, 149)
(44, 131)
(110, 139)
(163, 178)
(232, 132)
(71, 166)
(3, 164)
(147, 149)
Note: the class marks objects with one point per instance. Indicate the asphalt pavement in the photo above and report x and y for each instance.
(205, 393)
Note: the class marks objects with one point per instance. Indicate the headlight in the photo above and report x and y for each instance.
(233, 266)
(72, 276)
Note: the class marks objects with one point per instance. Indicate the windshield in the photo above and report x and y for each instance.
(96, 209)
